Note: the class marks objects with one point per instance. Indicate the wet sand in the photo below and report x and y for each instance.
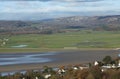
(63, 58)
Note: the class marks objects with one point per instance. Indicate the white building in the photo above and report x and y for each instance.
(47, 76)
(96, 63)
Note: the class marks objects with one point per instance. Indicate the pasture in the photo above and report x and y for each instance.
(81, 39)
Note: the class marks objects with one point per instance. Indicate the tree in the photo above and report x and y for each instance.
(107, 60)
(96, 72)
(48, 70)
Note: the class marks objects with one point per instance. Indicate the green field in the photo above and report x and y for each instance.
(81, 39)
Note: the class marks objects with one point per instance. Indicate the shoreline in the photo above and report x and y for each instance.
(26, 67)
(37, 50)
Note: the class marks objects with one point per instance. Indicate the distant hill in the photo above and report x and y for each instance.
(110, 23)
(95, 22)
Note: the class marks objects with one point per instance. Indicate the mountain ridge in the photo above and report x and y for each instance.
(109, 23)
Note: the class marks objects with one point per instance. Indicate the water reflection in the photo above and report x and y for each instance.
(11, 59)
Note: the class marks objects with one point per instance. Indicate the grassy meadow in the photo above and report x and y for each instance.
(70, 40)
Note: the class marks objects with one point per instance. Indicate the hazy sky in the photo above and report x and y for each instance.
(43, 9)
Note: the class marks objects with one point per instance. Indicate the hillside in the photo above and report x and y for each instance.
(103, 22)
(110, 23)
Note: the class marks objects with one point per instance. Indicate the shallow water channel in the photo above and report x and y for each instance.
(12, 59)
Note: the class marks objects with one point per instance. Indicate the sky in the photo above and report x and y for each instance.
(46, 9)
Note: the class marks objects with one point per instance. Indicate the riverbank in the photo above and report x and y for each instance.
(31, 50)
(25, 67)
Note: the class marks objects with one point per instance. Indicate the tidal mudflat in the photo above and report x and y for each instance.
(25, 61)
(26, 58)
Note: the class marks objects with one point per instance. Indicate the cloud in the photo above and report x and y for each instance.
(36, 6)
(41, 9)
(57, 0)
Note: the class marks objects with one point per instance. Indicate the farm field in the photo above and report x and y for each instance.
(70, 40)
